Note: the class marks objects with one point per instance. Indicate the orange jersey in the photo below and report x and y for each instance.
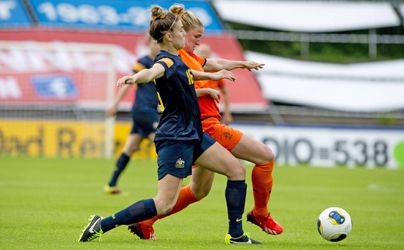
(207, 105)
(191, 60)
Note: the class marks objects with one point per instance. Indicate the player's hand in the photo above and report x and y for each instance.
(111, 111)
(125, 80)
(224, 74)
(253, 65)
(214, 94)
(227, 118)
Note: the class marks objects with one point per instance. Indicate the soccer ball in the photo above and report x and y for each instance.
(334, 224)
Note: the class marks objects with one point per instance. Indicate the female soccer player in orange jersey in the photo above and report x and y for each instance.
(204, 50)
(240, 145)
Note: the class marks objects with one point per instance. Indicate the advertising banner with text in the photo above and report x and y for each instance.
(130, 15)
(328, 147)
(63, 139)
(13, 14)
(312, 146)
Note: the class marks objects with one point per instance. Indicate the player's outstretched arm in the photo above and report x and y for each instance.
(213, 93)
(221, 74)
(215, 64)
(143, 76)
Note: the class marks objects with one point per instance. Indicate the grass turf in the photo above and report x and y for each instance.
(45, 203)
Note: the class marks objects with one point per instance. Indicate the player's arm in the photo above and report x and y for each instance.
(227, 117)
(111, 110)
(143, 76)
(213, 93)
(215, 64)
(221, 74)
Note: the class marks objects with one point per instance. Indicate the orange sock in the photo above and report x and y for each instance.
(262, 187)
(185, 198)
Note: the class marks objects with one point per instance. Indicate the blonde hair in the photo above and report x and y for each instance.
(160, 22)
(188, 18)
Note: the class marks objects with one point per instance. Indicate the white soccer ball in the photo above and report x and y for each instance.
(334, 224)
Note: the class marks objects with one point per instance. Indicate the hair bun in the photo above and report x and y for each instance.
(177, 9)
(157, 12)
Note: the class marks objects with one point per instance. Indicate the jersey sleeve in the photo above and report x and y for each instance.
(201, 60)
(168, 65)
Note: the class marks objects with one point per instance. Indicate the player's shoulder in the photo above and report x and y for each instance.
(192, 59)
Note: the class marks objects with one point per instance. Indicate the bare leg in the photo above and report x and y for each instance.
(167, 194)
(252, 150)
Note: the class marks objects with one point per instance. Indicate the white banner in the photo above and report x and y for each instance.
(359, 87)
(309, 16)
(328, 147)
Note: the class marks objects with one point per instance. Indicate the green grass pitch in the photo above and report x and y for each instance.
(45, 203)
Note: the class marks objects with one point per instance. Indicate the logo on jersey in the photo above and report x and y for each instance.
(180, 163)
(227, 135)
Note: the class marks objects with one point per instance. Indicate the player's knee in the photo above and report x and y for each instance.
(237, 172)
(163, 206)
(266, 155)
(132, 149)
(201, 191)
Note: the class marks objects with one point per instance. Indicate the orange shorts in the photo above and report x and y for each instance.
(227, 136)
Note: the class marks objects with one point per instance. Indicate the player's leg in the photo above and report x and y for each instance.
(168, 189)
(252, 150)
(175, 163)
(217, 159)
(258, 153)
(131, 145)
(246, 148)
(144, 126)
(164, 201)
(179, 157)
(198, 188)
(201, 182)
(262, 179)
